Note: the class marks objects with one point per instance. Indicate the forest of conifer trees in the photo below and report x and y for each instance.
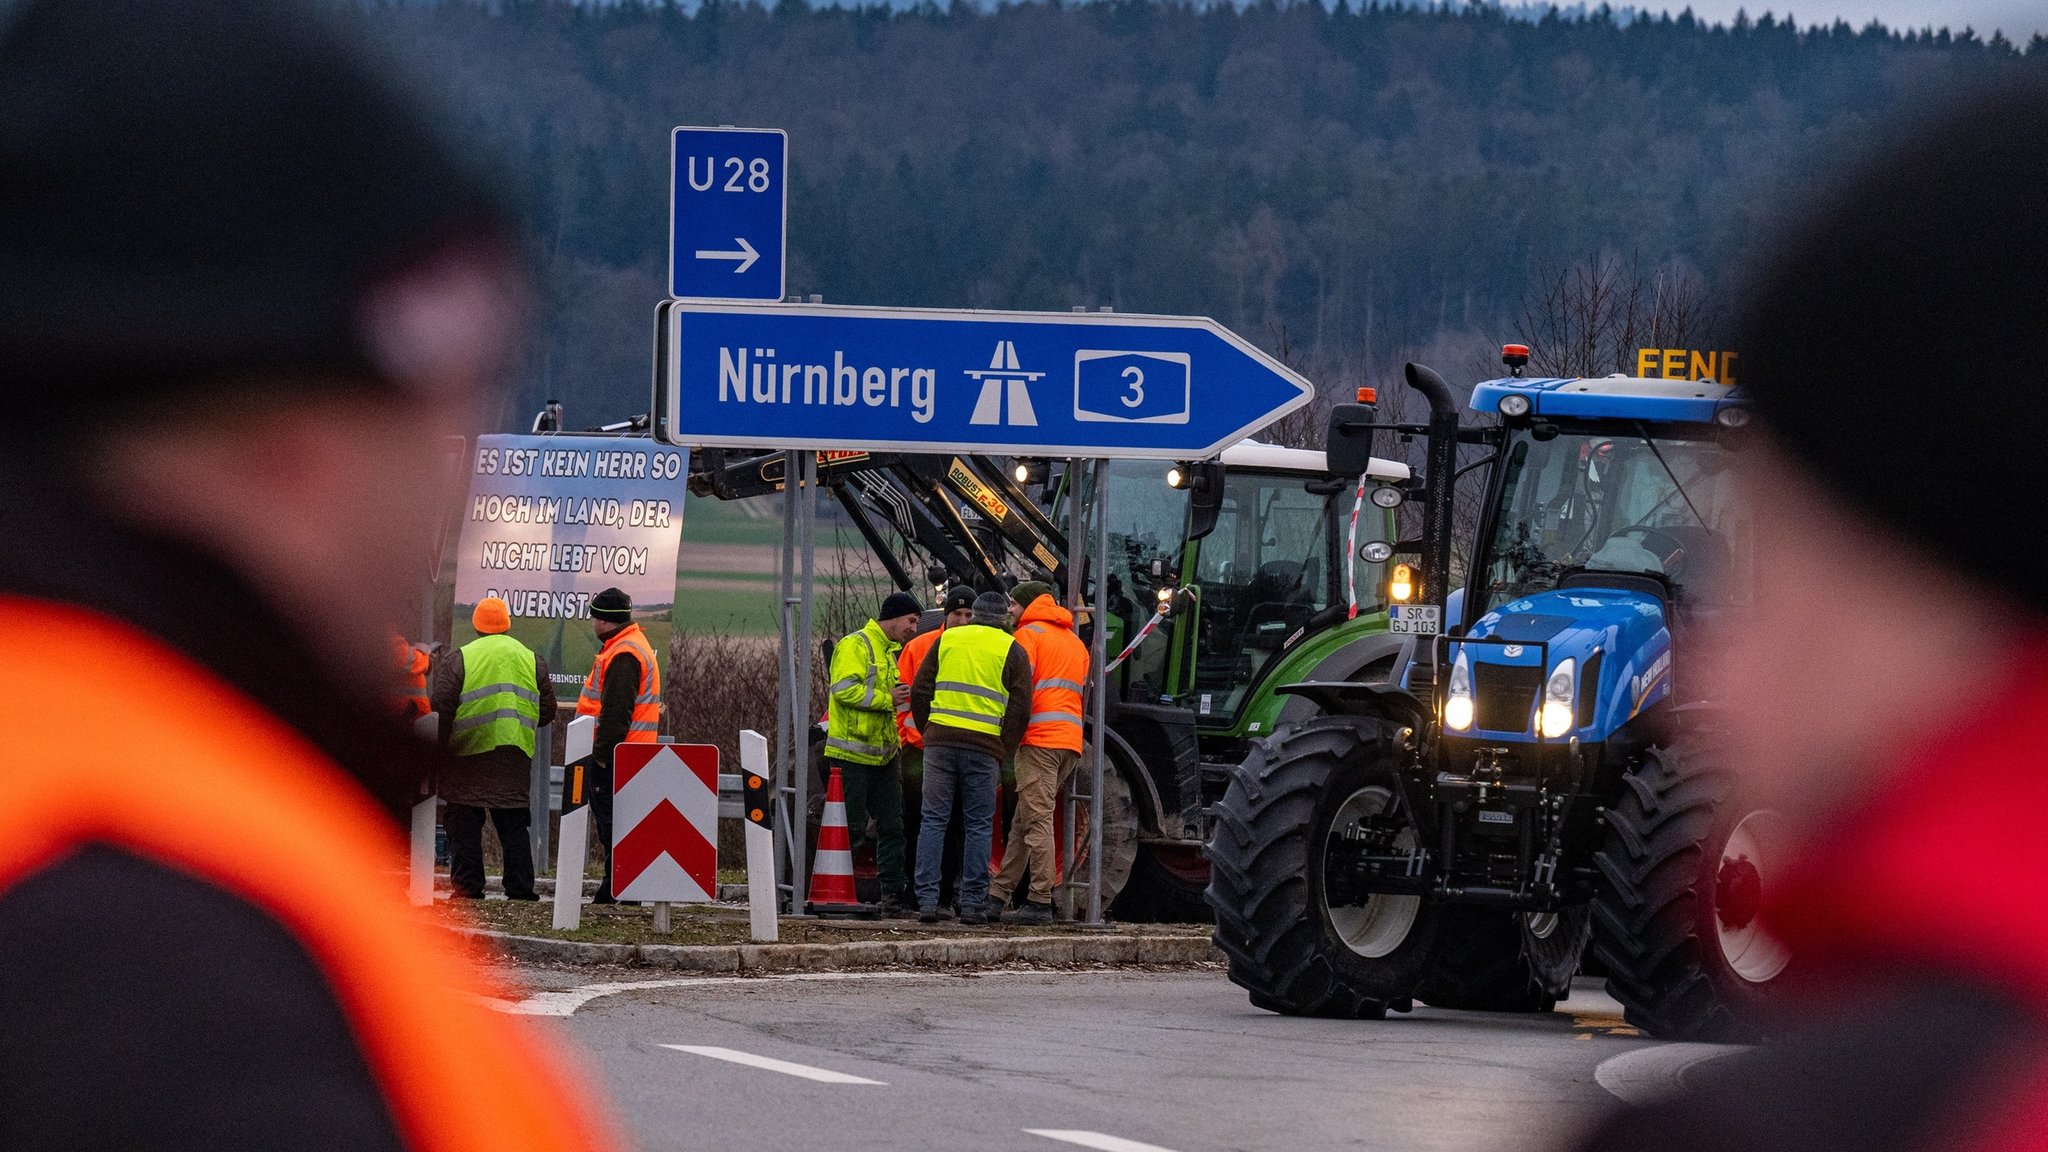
(1349, 184)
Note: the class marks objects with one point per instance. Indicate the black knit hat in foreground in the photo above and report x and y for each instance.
(198, 188)
(1892, 346)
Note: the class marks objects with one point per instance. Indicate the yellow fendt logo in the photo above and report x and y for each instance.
(1686, 364)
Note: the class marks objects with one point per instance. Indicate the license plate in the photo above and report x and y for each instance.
(1415, 619)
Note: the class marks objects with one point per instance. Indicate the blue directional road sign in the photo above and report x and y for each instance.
(911, 379)
(728, 213)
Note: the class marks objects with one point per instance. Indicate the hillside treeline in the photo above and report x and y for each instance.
(1347, 184)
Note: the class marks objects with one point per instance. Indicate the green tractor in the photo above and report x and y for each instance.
(1244, 560)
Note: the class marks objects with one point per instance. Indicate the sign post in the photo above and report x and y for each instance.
(728, 213)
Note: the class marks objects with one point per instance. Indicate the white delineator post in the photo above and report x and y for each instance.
(574, 848)
(420, 889)
(760, 812)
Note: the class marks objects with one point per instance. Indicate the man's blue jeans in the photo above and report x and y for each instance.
(949, 767)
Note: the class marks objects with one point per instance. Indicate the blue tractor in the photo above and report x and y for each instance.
(1531, 773)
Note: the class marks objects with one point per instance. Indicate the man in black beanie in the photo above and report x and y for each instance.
(623, 690)
(248, 293)
(1885, 693)
(863, 694)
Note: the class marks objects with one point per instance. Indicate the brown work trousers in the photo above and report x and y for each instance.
(1040, 772)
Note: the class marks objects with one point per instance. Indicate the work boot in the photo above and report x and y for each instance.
(974, 916)
(933, 915)
(897, 906)
(996, 906)
(1030, 914)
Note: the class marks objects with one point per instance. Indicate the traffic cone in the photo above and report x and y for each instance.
(832, 867)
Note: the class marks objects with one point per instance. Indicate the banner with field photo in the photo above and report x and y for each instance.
(551, 521)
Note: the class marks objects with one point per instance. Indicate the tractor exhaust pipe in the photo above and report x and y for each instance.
(1440, 470)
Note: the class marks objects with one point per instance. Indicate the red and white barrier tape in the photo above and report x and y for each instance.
(1150, 627)
(1351, 553)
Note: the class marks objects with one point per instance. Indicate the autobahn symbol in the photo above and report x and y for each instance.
(665, 822)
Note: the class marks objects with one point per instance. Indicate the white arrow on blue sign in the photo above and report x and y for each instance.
(728, 213)
(912, 379)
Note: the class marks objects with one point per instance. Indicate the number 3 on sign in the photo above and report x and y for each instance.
(1132, 387)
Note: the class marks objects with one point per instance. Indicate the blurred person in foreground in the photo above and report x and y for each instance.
(247, 294)
(1887, 692)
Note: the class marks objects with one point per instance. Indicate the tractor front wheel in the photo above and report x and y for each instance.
(1295, 946)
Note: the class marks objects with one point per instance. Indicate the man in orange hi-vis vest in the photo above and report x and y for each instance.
(1051, 748)
(250, 293)
(623, 691)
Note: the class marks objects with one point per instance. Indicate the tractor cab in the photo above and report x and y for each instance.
(1245, 561)
(1616, 515)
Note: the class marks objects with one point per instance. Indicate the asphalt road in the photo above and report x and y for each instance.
(1119, 1061)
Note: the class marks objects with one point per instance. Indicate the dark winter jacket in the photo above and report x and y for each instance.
(1916, 1003)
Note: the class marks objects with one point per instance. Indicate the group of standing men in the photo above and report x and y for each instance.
(492, 696)
(965, 696)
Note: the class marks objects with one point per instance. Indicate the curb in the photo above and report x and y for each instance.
(973, 952)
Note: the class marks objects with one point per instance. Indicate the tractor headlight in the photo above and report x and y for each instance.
(1514, 405)
(1560, 699)
(1458, 701)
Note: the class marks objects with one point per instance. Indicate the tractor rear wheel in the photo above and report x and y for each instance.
(1287, 942)
(1119, 832)
(1499, 961)
(1166, 886)
(1683, 874)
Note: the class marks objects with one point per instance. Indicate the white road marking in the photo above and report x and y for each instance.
(735, 1056)
(566, 1001)
(1095, 1140)
(1648, 1074)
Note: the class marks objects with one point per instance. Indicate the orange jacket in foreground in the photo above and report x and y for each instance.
(198, 779)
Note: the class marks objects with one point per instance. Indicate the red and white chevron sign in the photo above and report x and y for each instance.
(665, 822)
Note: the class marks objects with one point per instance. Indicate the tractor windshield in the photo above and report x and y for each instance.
(1613, 499)
(1273, 561)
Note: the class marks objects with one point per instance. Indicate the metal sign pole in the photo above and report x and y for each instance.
(1077, 558)
(539, 791)
(1098, 706)
(787, 833)
(806, 491)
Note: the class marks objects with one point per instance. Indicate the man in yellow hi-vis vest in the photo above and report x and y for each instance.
(972, 703)
(860, 736)
(491, 694)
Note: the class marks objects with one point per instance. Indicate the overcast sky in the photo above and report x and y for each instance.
(2018, 19)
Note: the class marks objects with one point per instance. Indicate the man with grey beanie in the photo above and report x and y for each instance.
(972, 703)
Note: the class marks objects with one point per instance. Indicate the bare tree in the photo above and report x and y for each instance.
(1589, 319)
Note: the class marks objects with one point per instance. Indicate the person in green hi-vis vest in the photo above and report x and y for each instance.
(860, 737)
(492, 695)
